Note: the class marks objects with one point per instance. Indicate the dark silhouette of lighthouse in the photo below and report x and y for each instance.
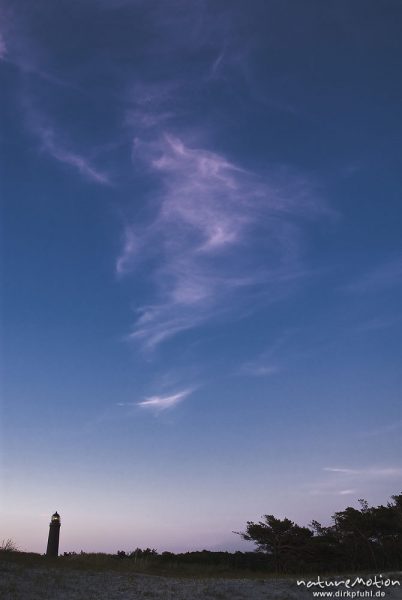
(54, 535)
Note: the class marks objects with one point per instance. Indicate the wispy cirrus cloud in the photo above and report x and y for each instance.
(322, 491)
(83, 165)
(218, 231)
(26, 55)
(348, 480)
(55, 146)
(160, 403)
(367, 472)
(21, 50)
(151, 105)
(258, 369)
(271, 361)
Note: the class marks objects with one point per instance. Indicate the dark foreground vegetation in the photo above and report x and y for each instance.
(359, 540)
(369, 538)
(192, 565)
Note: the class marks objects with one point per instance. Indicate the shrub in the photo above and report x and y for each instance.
(8, 546)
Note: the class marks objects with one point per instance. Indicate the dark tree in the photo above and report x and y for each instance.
(281, 539)
(358, 538)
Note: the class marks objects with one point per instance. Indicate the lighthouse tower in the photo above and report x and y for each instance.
(54, 534)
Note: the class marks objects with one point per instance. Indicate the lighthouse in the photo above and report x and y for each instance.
(54, 534)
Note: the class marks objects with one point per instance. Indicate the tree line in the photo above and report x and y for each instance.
(365, 538)
(368, 538)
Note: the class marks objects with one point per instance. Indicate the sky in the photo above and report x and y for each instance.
(202, 267)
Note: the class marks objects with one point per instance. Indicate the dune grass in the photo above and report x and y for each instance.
(100, 562)
(97, 576)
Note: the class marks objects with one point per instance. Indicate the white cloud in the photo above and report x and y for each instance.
(332, 492)
(164, 402)
(130, 247)
(260, 369)
(346, 481)
(340, 470)
(52, 145)
(367, 472)
(217, 64)
(217, 231)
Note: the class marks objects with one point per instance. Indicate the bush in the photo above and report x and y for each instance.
(8, 546)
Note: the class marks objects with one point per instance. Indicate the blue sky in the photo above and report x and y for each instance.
(202, 266)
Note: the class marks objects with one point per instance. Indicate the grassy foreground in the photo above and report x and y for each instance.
(25, 576)
(149, 566)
